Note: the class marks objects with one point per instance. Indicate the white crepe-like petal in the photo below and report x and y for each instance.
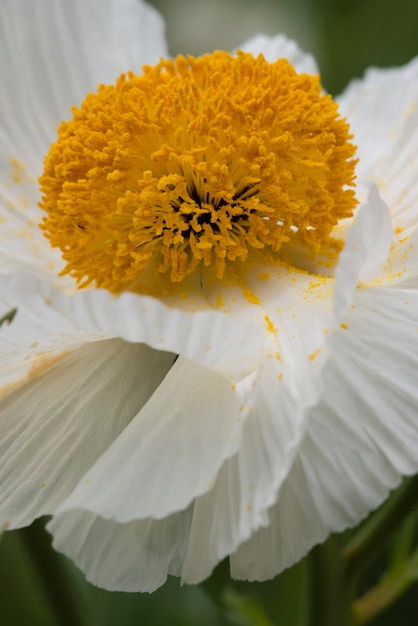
(171, 452)
(136, 556)
(220, 342)
(54, 428)
(376, 127)
(401, 269)
(226, 344)
(248, 482)
(387, 136)
(366, 250)
(280, 47)
(279, 418)
(247, 455)
(396, 177)
(362, 437)
(38, 336)
(53, 53)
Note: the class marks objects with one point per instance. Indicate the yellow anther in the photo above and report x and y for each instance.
(195, 164)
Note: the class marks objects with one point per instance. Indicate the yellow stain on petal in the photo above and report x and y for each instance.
(193, 166)
(40, 364)
(270, 327)
(250, 296)
(17, 170)
(314, 354)
(43, 362)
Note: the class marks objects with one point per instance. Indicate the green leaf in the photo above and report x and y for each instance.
(245, 610)
(22, 599)
(8, 317)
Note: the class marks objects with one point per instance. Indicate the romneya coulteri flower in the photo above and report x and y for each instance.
(209, 346)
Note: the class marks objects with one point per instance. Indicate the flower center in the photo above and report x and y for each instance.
(193, 166)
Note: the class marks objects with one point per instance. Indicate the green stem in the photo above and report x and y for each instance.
(368, 541)
(373, 602)
(329, 595)
(54, 577)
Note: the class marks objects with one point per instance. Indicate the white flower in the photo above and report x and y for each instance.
(165, 434)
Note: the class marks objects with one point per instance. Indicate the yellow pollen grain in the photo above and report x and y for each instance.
(314, 354)
(269, 325)
(192, 166)
(250, 296)
(343, 326)
(219, 301)
(264, 275)
(17, 170)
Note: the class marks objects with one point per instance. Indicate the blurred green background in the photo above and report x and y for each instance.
(346, 36)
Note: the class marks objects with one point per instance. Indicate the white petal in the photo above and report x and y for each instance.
(361, 438)
(280, 47)
(38, 336)
(171, 452)
(401, 268)
(248, 482)
(365, 252)
(136, 556)
(53, 429)
(387, 136)
(217, 341)
(375, 126)
(52, 55)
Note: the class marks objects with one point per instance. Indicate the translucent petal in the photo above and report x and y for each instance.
(136, 556)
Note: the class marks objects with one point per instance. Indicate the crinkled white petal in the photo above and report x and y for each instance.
(401, 269)
(361, 438)
(53, 53)
(248, 456)
(37, 337)
(280, 47)
(223, 343)
(247, 485)
(55, 427)
(171, 452)
(279, 417)
(366, 250)
(382, 110)
(376, 127)
(136, 556)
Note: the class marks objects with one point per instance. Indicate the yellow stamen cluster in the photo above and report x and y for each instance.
(193, 165)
